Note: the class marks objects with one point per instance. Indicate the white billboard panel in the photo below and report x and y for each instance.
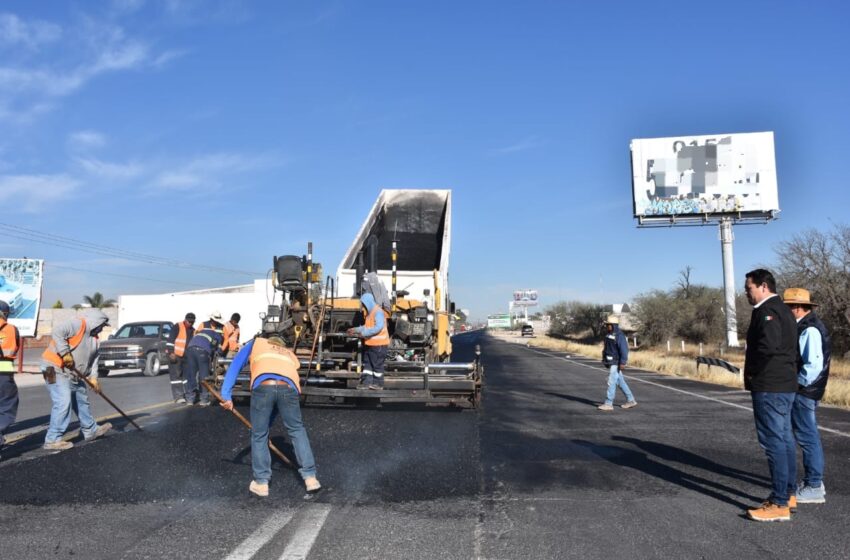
(525, 298)
(20, 287)
(704, 175)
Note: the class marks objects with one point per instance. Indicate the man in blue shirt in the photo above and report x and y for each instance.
(200, 352)
(813, 373)
(275, 384)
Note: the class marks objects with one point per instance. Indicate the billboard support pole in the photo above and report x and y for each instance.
(726, 239)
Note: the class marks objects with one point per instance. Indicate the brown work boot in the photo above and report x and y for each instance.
(261, 490)
(770, 512)
(59, 445)
(792, 503)
(312, 484)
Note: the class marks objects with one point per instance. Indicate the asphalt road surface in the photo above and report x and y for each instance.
(537, 472)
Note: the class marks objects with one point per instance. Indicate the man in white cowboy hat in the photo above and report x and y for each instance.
(615, 354)
(813, 373)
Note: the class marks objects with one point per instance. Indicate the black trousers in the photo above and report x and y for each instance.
(178, 382)
(8, 402)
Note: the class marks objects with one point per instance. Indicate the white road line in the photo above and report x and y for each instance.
(261, 536)
(631, 377)
(309, 526)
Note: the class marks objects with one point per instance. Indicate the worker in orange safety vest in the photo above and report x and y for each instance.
(10, 343)
(180, 336)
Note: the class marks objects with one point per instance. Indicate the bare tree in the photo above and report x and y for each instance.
(820, 262)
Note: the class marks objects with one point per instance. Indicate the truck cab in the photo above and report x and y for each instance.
(136, 346)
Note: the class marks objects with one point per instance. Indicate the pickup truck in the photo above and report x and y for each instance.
(136, 346)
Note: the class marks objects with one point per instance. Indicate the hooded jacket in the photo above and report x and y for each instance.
(368, 302)
(85, 353)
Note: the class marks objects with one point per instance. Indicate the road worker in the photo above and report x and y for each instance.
(10, 343)
(231, 336)
(200, 352)
(275, 386)
(72, 348)
(180, 336)
(376, 340)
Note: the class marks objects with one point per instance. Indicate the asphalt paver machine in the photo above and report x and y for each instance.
(404, 244)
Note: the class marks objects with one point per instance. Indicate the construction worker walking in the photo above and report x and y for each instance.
(10, 343)
(377, 341)
(200, 352)
(275, 387)
(231, 336)
(73, 346)
(176, 349)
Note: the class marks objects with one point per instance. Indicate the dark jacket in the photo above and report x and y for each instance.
(616, 350)
(816, 388)
(771, 359)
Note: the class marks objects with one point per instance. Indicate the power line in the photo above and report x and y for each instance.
(28, 234)
(51, 265)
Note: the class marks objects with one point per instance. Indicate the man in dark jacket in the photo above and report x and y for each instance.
(615, 355)
(812, 375)
(770, 374)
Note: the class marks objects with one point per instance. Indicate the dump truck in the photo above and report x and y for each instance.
(401, 256)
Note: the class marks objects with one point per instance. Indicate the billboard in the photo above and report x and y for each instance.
(702, 176)
(502, 321)
(20, 287)
(525, 298)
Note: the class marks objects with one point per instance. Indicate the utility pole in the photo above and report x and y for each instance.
(726, 238)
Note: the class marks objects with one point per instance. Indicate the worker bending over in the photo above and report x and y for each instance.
(275, 384)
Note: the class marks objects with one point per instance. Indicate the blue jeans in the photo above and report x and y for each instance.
(772, 412)
(616, 379)
(196, 368)
(68, 394)
(264, 400)
(805, 427)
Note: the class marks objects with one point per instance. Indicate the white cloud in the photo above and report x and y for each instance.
(112, 171)
(90, 49)
(31, 35)
(211, 170)
(521, 146)
(33, 193)
(85, 140)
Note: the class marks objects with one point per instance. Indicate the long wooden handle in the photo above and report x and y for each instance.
(245, 421)
(104, 397)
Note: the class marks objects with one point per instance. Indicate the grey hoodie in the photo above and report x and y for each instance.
(85, 353)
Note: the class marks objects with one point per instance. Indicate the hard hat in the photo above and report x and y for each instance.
(612, 320)
(4, 308)
(216, 316)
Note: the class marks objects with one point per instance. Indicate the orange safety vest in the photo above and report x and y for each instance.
(231, 338)
(9, 342)
(268, 358)
(50, 354)
(383, 337)
(181, 340)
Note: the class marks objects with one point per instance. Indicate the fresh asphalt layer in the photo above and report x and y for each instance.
(537, 472)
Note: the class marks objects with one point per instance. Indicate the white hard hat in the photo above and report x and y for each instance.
(216, 316)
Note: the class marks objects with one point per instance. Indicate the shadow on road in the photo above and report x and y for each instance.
(644, 463)
(670, 453)
(574, 398)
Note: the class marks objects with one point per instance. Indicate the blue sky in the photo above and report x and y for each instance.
(222, 133)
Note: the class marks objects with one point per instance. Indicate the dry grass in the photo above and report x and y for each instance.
(684, 365)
